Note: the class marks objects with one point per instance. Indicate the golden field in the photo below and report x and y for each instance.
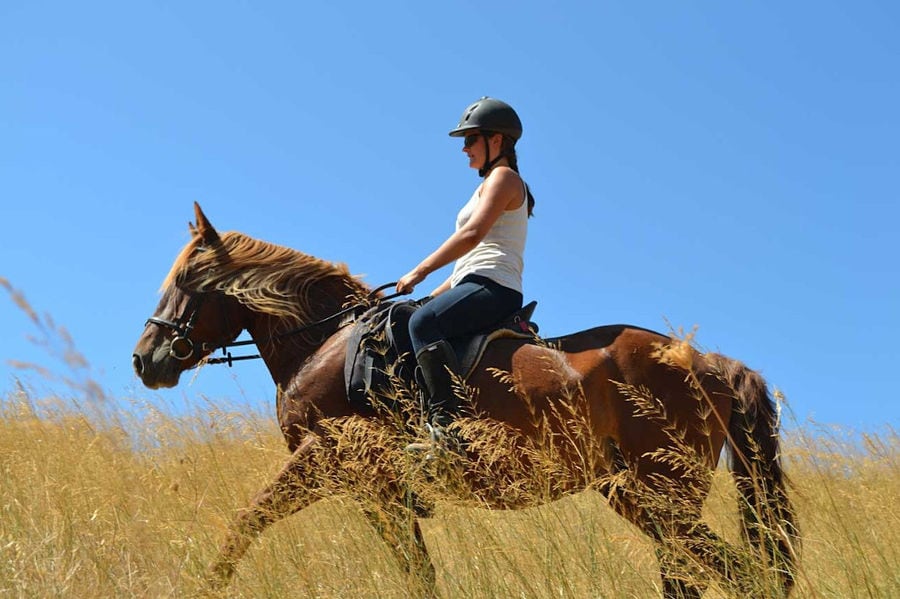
(133, 502)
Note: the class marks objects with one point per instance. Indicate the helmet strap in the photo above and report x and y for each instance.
(488, 163)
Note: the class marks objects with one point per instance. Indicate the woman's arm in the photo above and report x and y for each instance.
(501, 191)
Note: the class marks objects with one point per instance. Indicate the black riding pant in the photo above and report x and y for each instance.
(472, 306)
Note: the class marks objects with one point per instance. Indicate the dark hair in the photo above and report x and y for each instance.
(508, 149)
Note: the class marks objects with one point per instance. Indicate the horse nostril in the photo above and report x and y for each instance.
(137, 364)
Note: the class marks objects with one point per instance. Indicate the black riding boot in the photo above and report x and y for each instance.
(437, 366)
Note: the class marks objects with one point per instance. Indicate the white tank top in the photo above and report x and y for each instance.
(499, 256)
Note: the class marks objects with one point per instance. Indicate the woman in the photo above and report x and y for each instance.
(487, 247)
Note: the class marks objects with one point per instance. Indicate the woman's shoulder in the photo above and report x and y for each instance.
(503, 174)
(504, 178)
(507, 183)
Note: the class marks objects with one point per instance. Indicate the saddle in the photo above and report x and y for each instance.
(380, 348)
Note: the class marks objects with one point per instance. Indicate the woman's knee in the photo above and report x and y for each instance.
(423, 327)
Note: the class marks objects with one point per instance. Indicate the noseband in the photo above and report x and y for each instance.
(181, 348)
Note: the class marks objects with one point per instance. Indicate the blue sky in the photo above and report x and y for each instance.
(731, 166)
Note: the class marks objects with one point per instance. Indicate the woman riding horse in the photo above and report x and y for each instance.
(488, 248)
(627, 412)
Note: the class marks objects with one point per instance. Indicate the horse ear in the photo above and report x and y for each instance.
(204, 228)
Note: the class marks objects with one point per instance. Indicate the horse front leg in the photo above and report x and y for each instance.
(285, 495)
(396, 519)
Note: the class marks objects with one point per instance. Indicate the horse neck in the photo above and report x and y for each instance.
(285, 355)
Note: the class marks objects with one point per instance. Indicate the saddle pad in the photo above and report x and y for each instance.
(379, 343)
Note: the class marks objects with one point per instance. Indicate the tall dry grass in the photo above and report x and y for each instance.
(113, 497)
(137, 506)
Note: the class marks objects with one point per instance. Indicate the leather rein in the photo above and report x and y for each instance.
(183, 348)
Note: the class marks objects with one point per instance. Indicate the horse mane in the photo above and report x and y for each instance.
(263, 276)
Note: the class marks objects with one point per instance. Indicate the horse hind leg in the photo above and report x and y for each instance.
(678, 578)
(714, 554)
(689, 552)
(627, 496)
(655, 514)
(285, 495)
(677, 583)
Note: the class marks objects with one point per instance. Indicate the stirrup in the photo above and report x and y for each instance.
(439, 441)
(429, 445)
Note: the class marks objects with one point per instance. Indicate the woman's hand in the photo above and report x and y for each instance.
(408, 282)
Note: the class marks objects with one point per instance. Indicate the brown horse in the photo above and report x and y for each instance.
(638, 416)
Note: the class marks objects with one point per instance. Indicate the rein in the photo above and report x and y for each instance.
(182, 348)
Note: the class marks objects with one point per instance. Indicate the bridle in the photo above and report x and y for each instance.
(182, 347)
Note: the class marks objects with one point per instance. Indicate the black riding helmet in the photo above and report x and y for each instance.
(489, 115)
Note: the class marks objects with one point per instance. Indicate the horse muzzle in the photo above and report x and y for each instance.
(157, 368)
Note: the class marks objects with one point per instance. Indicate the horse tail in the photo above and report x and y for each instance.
(768, 521)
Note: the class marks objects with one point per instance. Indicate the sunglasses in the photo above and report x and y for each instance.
(471, 138)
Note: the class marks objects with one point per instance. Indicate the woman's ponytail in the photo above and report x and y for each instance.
(508, 149)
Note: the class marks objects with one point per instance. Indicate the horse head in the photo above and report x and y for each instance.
(193, 316)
